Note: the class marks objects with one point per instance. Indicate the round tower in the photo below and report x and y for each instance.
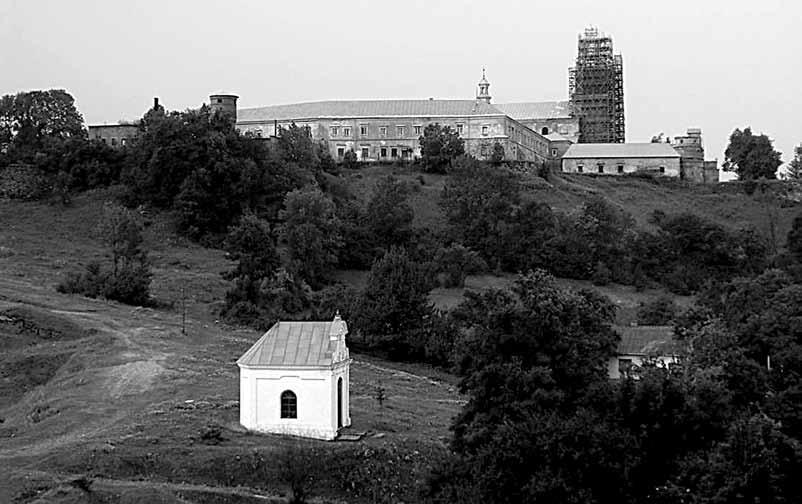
(484, 89)
(225, 103)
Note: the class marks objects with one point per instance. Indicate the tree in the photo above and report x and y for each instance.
(497, 156)
(659, 311)
(28, 119)
(439, 145)
(311, 230)
(129, 278)
(794, 240)
(388, 213)
(795, 166)
(751, 156)
(394, 303)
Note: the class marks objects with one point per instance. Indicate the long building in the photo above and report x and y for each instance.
(379, 130)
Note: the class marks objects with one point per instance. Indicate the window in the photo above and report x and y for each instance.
(553, 152)
(620, 168)
(483, 150)
(365, 152)
(363, 129)
(346, 131)
(219, 100)
(485, 130)
(662, 169)
(459, 129)
(340, 152)
(383, 131)
(600, 167)
(113, 141)
(383, 152)
(123, 141)
(544, 131)
(417, 130)
(289, 404)
(399, 131)
(334, 131)
(625, 366)
(580, 168)
(394, 152)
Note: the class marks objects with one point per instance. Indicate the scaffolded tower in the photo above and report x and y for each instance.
(596, 89)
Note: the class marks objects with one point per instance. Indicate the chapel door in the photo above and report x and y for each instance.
(339, 402)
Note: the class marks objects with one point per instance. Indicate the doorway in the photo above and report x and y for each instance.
(339, 403)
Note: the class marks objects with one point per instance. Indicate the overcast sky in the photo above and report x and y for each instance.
(713, 64)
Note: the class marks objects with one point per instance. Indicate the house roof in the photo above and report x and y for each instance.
(295, 344)
(620, 150)
(536, 110)
(646, 340)
(367, 108)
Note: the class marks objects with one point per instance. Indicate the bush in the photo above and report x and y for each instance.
(129, 285)
(23, 181)
(601, 275)
(455, 262)
(660, 311)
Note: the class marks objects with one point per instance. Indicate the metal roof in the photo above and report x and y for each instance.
(620, 150)
(536, 110)
(367, 108)
(646, 340)
(296, 344)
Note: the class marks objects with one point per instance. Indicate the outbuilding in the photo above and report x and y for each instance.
(619, 158)
(295, 380)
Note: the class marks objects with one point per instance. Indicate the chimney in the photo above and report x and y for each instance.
(155, 103)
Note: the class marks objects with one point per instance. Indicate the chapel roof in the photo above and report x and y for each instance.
(536, 110)
(296, 344)
(620, 150)
(367, 108)
(647, 340)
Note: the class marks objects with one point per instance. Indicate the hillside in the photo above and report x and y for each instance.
(120, 395)
(725, 203)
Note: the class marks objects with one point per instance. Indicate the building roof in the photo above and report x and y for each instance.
(646, 340)
(296, 344)
(556, 137)
(620, 150)
(367, 108)
(536, 110)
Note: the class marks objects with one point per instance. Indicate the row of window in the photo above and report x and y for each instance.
(123, 140)
(384, 152)
(619, 168)
(400, 130)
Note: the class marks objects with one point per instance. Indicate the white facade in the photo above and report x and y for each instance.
(296, 379)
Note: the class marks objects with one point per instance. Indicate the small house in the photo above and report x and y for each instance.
(295, 380)
(639, 344)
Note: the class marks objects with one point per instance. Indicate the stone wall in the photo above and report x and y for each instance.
(116, 135)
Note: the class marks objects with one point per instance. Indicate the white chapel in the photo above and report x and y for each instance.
(295, 380)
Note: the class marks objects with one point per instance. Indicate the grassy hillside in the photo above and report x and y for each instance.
(119, 394)
(726, 203)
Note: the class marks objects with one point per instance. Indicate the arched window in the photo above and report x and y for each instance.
(289, 404)
(544, 131)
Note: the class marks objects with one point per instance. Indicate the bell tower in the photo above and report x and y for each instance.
(484, 89)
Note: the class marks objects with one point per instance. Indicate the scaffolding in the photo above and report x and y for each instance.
(596, 89)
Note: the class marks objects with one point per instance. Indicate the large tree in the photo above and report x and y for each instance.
(751, 156)
(312, 233)
(439, 145)
(28, 118)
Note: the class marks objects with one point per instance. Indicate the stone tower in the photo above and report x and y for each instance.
(225, 103)
(484, 89)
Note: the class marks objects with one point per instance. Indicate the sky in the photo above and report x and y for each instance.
(712, 64)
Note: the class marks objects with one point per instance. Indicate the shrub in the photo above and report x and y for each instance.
(601, 274)
(455, 262)
(660, 311)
